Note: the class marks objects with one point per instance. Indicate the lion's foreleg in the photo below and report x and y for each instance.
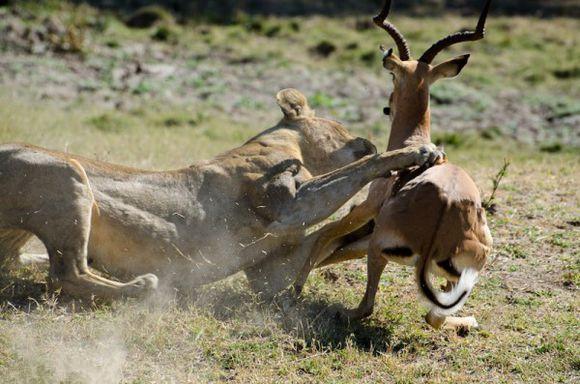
(319, 197)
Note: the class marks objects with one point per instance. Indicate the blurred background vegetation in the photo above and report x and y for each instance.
(201, 66)
(226, 10)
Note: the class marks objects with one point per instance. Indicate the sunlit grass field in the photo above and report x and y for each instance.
(516, 100)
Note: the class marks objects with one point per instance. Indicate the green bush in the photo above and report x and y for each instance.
(164, 33)
(147, 17)
(107, 123)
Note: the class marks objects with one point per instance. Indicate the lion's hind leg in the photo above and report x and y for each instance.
(69, 262)
(62, 221)
(11, 243)
(66, 241)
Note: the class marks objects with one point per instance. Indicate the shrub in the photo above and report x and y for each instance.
(273, 31)
(164, 33)
(552, 148)
(107, 123)
(368, 57)
(452, 139)
(324, 48)
(295, 26)
(147, 17)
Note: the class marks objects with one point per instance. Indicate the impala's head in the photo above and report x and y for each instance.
(325, 144)
(412, 79)
(409, 102)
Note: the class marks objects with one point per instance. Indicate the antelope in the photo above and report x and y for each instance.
(429, 218)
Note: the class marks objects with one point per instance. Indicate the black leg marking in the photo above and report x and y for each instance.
(399, 251)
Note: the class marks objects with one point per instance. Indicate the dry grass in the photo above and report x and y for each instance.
(527, 300)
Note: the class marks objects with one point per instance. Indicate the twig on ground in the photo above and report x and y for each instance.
(489, 204)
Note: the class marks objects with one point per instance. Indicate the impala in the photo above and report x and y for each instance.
(429, 218)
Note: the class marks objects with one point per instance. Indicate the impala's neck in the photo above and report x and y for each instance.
(411, 124)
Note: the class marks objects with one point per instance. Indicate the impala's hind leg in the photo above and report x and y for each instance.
(384, 246)
(450, 322)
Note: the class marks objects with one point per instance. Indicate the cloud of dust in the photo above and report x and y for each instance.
(49, 350)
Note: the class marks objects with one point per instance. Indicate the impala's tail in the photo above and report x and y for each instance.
(443, 303)
(446, 303)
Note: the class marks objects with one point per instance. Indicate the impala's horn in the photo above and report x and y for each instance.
(380, 21)
(458, 37)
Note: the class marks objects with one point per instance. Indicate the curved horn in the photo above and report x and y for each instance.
(458, 37)
(379, 20)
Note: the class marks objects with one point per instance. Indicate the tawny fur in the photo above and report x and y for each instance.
(246, 209)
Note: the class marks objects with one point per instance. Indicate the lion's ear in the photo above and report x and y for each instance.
(293, 104)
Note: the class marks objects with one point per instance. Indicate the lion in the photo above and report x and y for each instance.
(248, 209)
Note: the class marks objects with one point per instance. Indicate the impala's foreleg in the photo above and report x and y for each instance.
(336, 242)
(355, 250)
(376, 264)
(328, 241)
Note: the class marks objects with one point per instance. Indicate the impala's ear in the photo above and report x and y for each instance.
(449, 68)
(293, 104)
(391, 62)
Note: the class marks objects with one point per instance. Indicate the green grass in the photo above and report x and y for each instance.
(526, 301)
(161, 137)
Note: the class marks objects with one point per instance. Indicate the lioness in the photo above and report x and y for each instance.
(246, 209)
